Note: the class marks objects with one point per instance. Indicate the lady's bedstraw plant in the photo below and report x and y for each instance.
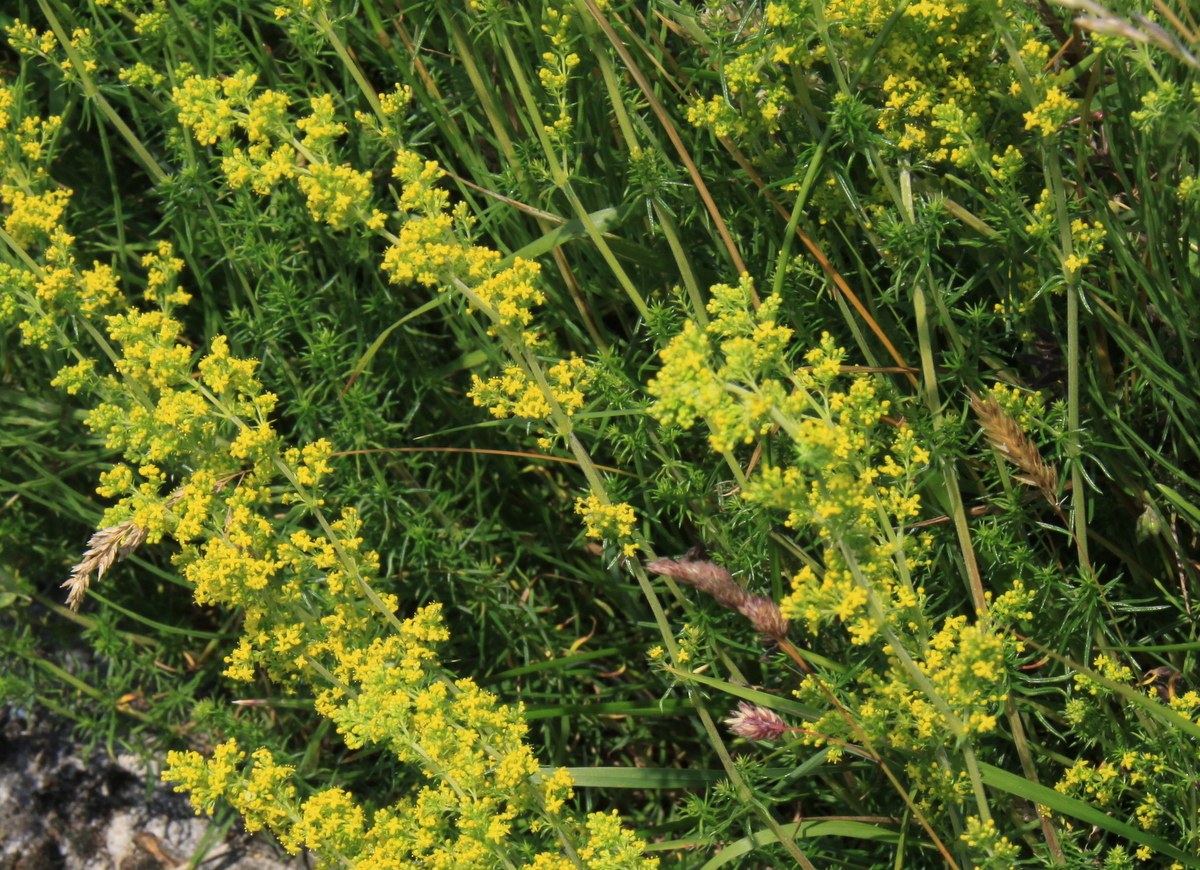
(849, 482)
(954, 160)
(936, 76)
(204, 465)
(938, 93)
(555, 73)
(434, 247)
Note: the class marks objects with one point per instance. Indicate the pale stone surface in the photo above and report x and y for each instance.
(61, 812)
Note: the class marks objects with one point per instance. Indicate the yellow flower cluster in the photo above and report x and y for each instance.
(611, 521)
(162, 267)
(1125, 776)
(434, 249)
(1023, 406)
(835, 596)
(753, 79)
(458, 733)
(1106, 667)
(965, 663)
(1042, 225)
(1189, 189)
(481, 793)
(163, 410)
(434, 245)
(27, 41)
(58, 293)
(214, 109)
(141, 75)
(516, 394)
(555, 72)
(145, 22)
(301, 8)
(990, 850)
(152, 21)
(838, 486)
(937, 74)
(726, 386)
(1087, 238)
(34, 207)
(1052, 112)
(385, 126)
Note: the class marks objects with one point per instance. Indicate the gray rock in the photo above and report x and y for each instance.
(60, 811)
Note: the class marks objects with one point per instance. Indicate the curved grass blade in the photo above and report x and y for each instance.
(378, 342)
(611, 708)
(602, 220)
(168, 629)
(800, 830)
(763, 699)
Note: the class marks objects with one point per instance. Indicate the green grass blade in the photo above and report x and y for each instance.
(800, 830)
(1021, 787)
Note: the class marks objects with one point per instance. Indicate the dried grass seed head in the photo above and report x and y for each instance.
(109, 545)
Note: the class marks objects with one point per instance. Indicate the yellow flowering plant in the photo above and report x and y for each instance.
(378, 690)
(852, 485)
(398, 343)
(205, 466)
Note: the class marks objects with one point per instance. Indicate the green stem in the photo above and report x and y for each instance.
(328, 675)
(606, 252)
(92, 92)
(954, 723)
(1074, 448)
(671, 233)
(1058, 190)
(814, 165)
(326, 27)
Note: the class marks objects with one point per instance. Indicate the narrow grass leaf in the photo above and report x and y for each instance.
(166, 629)
(603, 220)
(799, 830)
(1077, 809)
(366, 358)
(763, 699)
(611, 708)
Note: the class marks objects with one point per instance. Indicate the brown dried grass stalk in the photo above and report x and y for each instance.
(1010, 441)
(762, 612)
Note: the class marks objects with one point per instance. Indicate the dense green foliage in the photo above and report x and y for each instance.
(889, 308)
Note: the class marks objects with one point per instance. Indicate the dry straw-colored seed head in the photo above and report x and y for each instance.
(113, 544)
(109, 545)
(1010, 441)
